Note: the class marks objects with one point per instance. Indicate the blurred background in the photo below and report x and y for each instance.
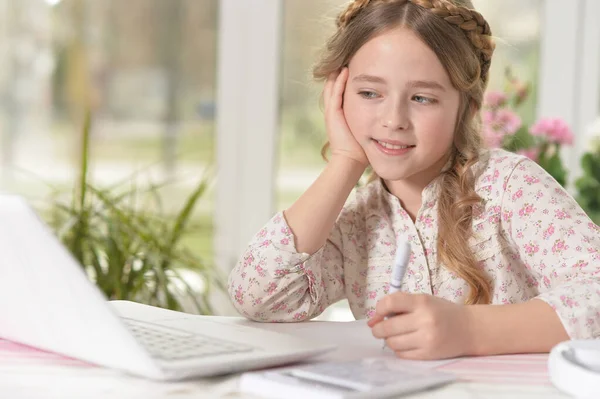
(178, 90)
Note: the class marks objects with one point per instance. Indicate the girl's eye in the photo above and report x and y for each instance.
(368, 94)
(423, 100)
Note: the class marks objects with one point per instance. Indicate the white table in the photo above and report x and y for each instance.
(31, 374)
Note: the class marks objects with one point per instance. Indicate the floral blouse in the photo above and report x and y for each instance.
(529, 235)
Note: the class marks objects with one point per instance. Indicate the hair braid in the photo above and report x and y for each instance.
(470, 21)
(350, 12)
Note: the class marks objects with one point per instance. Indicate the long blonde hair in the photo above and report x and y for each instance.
(462, 41)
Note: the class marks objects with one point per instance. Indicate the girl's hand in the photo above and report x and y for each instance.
(341, 139)
(423, 327)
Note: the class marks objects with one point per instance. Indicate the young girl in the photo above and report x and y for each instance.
(503, 259)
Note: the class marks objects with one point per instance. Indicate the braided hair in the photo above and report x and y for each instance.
(467, 19)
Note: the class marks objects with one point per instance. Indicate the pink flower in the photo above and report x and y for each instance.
(239, 295)
(495, 99)
(428, 222)
(517, 195)
(559, 246)
(499, 123)
(300, 316)
(278, 306)
(357, 289)
(527, 210)
(531, 248)
(522, 91)
(531, 153)
(549, 231)
(492, 138)
(568, 301)
(581, 264)
(281, 272)
(531, 179)
(547, 281)
(555, 129)
(248, 260)
(271, 288)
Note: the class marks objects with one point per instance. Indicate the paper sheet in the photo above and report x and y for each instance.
(353, 339)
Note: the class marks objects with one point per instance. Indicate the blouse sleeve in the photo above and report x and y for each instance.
(274, 282)
(558, 243)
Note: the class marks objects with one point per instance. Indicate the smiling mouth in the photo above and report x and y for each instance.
(391, 146)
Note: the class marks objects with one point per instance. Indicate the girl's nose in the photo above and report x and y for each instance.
(395, 124)
(395, 117)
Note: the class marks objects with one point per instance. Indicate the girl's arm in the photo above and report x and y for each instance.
(530, 327)
(560, 247)
(274, 282)
(313, 215)
(293, 268)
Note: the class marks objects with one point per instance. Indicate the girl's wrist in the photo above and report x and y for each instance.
(350, 165)
(475, 334)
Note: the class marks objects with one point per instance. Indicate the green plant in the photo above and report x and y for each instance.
(588, 185)
(128, 245)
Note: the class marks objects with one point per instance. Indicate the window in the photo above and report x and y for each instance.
(516, 25)
(306, 24)
(146, 68)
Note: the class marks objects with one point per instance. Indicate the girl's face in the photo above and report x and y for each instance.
(401, 107)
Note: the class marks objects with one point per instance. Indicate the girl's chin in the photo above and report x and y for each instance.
(392, 175)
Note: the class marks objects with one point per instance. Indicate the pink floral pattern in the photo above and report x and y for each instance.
(530, 236)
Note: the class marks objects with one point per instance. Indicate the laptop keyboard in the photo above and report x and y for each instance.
(172, 344)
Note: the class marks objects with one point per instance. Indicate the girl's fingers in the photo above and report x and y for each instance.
(337, 96)
(414, 354)
(400, 302)
(404, 342)
(328, 89)
(374, 320)
(397, 303)
(397, 325)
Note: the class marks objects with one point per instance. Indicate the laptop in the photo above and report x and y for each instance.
(49, 303)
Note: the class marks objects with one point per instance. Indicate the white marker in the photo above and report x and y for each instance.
(400, 266)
